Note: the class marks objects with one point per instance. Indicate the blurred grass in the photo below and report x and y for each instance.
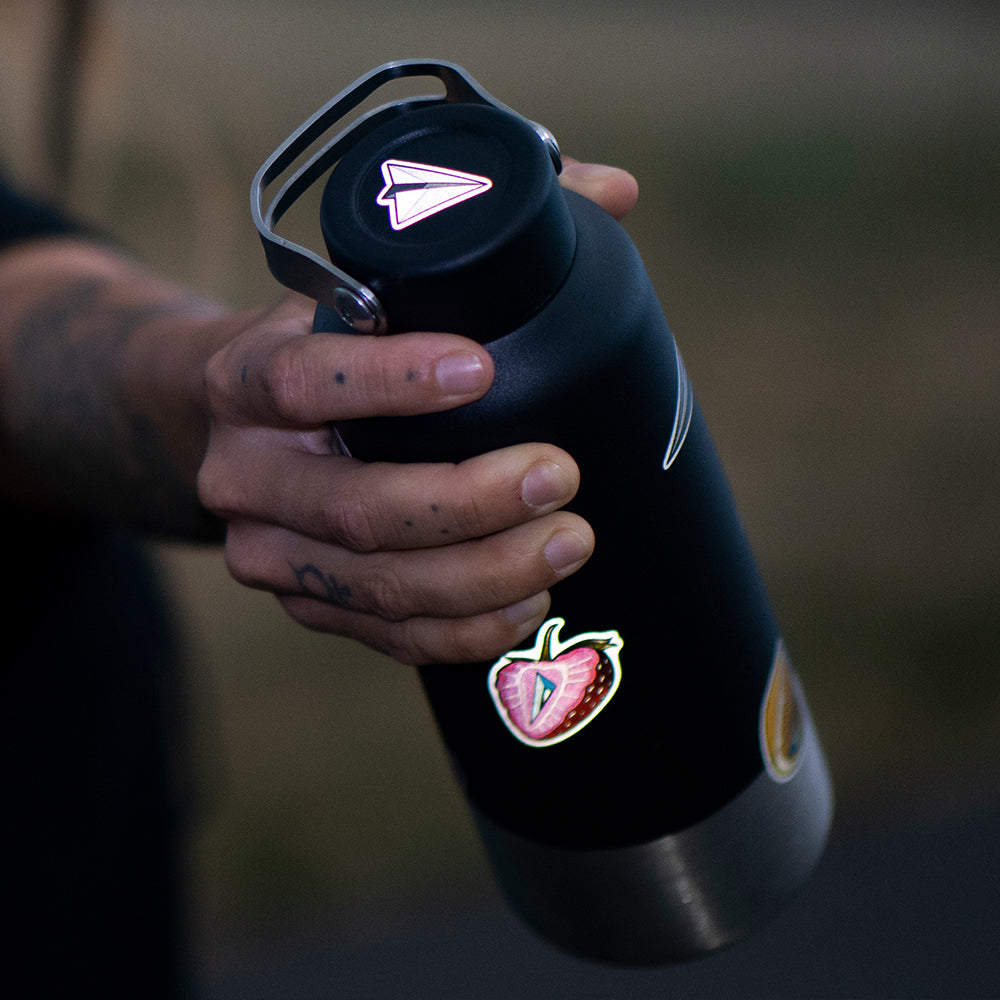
(819, 213)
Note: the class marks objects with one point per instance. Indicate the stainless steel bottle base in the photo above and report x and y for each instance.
(684, 894)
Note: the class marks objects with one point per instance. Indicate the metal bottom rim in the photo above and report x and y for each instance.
(682, 895)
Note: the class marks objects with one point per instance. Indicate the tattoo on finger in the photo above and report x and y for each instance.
(314, 582)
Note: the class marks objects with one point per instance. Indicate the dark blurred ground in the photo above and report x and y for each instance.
(819, 213)
(904, 910)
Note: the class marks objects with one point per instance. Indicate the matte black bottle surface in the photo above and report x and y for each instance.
(645, 773)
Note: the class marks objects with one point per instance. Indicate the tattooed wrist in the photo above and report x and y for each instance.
(76, 434)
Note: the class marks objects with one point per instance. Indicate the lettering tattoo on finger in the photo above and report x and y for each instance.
(315, 583)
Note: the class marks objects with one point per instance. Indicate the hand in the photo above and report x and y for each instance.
(429, 563)
(616, 191)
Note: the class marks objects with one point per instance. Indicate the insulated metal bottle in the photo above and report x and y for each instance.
(644, 773)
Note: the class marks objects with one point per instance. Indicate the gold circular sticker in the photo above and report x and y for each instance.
(782, 722)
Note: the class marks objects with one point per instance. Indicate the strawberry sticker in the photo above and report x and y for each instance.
(546, 694)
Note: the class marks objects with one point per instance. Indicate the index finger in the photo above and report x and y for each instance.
(279, 379)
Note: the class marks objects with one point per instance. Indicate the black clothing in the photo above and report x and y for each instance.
(23, 218)
(92, 804)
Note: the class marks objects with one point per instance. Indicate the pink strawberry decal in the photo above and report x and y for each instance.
(548, 693)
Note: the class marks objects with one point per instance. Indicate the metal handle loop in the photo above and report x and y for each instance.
(299, 268)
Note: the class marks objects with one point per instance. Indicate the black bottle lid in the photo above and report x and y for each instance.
(454, 217)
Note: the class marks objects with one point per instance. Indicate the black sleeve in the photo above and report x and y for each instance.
(97, 795)
(24, 217)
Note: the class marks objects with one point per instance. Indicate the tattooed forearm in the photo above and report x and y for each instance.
(75, 432)
(314, 582)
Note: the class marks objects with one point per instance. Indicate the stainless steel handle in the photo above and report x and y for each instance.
(305, 271)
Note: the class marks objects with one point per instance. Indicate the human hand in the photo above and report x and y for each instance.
(428, 563)
(613, 189)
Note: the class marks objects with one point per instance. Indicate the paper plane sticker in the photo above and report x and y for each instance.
(415, 191)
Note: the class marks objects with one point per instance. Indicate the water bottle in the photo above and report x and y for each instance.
(644, 773)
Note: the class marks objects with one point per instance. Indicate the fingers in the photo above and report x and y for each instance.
(454, 581)
(277, 373)
(614, 190)
(467, 601)
(379, 506)
(429, 563)
(418, 641)
(464, 603)
(284, 377)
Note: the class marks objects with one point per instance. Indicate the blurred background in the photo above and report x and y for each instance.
(819, 212)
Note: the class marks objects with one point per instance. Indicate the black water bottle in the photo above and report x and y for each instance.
(644, 773)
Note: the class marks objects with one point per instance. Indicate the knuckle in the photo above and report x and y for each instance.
(351, 521)
(216, 489)
(492, 588)
(243, 558)
(472, 515)
(496, 571)
(285, 381)
(387, 594)
(216, 378)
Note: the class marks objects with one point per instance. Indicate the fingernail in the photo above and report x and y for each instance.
(460, 374)
(593, 171)
(546, 484)
(527, 610)
(566, 551)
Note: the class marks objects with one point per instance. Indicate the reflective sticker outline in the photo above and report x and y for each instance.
(682, 413)
(416, 191)
(579, 677)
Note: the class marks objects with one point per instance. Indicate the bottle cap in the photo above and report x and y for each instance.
(454, 217)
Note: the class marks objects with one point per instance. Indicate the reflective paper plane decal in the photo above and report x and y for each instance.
(415, 191)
